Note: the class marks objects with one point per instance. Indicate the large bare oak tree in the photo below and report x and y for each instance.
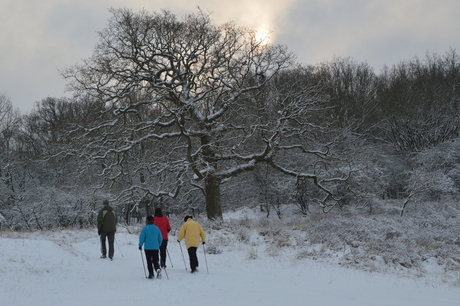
(183, 103)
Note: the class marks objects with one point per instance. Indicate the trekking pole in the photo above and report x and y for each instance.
(118, 247)
(182, 255)
(143, 264)
(166, 272)
(169, 258)
(204, 252)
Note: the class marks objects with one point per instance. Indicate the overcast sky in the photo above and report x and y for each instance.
(40, 37)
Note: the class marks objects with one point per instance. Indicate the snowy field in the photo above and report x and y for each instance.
(64, 268)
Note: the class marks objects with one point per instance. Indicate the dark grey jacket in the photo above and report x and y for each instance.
(107, 219)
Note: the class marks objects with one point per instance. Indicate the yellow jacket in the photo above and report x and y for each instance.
(191, 231)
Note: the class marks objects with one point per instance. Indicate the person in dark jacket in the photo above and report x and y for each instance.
(106, 228)
(151, 239)
(163, 224)
(193, 233)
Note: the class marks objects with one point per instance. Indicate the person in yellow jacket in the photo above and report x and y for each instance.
(192, 232)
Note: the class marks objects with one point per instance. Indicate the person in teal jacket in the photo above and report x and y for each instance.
(151, 239)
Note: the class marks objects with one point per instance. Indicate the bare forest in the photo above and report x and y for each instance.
(193, 117)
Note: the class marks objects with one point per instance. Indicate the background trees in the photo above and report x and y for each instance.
(351, 87)
(178, 112)
(10, 165)
(419, 100)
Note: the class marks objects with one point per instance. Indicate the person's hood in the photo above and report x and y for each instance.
(159, 214)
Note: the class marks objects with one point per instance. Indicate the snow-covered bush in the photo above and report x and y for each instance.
(379, 240)
(48, 208)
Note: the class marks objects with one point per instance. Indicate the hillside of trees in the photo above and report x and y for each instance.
(189, 116)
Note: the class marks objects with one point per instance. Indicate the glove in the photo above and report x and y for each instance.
(140, 248)
(99, 232)
(204, 242)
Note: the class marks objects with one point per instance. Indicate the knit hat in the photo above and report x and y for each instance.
(158, 212)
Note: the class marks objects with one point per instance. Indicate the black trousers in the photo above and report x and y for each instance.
(111, 238)
(193, 258)
(152, 260)
(163, 247)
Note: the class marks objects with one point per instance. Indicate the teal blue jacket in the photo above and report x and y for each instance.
(150, 237)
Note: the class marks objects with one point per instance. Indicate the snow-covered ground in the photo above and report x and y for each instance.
(64, 268)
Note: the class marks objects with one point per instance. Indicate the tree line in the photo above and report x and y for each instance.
(187, 115)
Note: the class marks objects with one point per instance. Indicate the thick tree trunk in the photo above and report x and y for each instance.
(212, 191)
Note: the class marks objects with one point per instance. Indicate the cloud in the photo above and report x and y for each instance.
(39, 38)
(381, 32)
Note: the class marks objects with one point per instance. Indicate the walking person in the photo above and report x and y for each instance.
(151, 239)
(106, 228)
(192, 232)
(163, 224)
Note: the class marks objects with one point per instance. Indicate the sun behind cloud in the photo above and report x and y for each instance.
(262, 37)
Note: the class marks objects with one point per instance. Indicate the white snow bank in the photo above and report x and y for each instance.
(64, 268)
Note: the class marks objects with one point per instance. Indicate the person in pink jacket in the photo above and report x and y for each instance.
(193, 233)
(163, 224)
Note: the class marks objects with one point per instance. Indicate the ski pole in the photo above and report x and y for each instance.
(100, 242)
(169, 258)
(185, 265)
(118, 247)
(204, 252)
(143, 264)
(167, 276)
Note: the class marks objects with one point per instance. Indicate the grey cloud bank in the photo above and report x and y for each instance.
(39, 38)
